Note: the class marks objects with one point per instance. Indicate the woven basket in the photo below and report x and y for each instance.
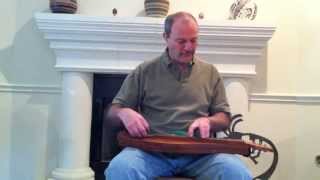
(63, 6)
(156, 8)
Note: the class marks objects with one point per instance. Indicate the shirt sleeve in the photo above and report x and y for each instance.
(129, 93)
(219, 99)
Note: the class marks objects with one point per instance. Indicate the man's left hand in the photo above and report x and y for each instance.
(203, 124)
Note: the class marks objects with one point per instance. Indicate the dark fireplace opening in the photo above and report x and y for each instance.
(103, 144)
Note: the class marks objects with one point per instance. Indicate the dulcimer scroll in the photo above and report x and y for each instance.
(189, 145)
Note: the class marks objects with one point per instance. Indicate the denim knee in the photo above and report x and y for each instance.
(234, 169)
(128, 165)
(119, 168)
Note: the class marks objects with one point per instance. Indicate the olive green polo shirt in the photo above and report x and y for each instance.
(169, 99)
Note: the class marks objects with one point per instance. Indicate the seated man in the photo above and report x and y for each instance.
(172, 93)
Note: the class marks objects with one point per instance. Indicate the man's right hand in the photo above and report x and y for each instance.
(134, 122)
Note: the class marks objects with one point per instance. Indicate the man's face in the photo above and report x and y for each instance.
(183, 40)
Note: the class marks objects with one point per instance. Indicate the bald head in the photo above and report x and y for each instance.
(170, 20)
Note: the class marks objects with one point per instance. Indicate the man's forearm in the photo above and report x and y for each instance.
(112, 115)
(219, 121)
(131, 120)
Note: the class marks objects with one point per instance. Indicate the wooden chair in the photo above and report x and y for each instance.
(254, 155)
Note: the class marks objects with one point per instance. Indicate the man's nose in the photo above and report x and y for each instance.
(189, 46)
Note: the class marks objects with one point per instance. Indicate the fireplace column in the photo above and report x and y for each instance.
(74, 127)
(237, 92)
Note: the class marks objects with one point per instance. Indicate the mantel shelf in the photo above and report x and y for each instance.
(117, 44)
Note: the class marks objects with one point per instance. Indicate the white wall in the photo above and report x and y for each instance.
(33, 135)
(5, 116)
(29, 85)
(276, 121)
(308, 83)
(309, 64)
(135, 7)
(27, 105)
(7, 14)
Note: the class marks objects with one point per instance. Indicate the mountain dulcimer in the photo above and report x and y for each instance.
(190, 145)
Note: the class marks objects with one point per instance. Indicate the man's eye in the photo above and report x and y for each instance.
(181, 41)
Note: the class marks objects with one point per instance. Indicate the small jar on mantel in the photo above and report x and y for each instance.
(63, 6)
(156, 8)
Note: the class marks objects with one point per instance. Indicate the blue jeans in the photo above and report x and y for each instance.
(132, 163)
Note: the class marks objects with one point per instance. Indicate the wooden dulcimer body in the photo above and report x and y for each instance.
(190, 145)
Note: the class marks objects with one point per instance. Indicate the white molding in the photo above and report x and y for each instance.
(254, 97)
(285, 98)
(117, 44)
(30, 88)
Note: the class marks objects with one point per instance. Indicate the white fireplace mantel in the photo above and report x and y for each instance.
(118, 44)
(84, 45)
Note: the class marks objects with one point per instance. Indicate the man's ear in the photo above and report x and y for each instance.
(165, 36)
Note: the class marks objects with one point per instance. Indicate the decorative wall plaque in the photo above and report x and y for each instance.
(243, 9)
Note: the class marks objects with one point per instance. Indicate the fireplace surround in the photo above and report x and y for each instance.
(85, 45)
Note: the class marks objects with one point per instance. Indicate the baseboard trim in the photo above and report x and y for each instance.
(285, 98)
(30, 88)
(254, 97)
